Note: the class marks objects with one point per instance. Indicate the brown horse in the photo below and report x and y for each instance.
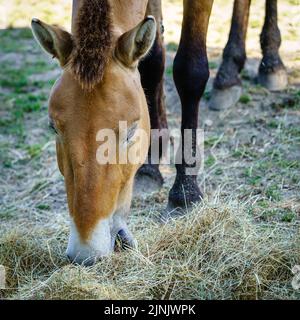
(100, 86)
(103, 83)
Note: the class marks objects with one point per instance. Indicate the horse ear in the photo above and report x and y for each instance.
(53, 40)
(136, 43)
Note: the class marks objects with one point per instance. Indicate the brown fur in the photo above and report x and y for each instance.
(93, 42)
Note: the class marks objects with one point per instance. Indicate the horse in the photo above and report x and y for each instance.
(111, 61)
(191, 73)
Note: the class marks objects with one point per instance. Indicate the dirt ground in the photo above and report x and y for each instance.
(252, 151)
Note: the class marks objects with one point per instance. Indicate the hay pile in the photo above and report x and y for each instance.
(216, 252)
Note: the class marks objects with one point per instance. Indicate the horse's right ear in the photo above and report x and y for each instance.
(53, 40)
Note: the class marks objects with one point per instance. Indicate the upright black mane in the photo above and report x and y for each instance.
(93, 42)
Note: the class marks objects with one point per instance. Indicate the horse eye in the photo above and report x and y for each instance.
(52, 126)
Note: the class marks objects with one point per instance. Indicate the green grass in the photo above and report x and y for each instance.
(212, 141)
(245, 99)
(273, 193)
(290, 102)
(244, 153)
(22, 98)
(252, 178)
(34, 150)
(43, 207)
(213, 65)
(210, 161)
(169, 71)
(14, 40)
(172, 46)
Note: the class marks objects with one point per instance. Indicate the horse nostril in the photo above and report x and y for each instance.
(123, 241)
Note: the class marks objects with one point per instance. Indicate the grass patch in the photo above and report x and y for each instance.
(213, 65)
(172, 46)
(210, 161)
(34, 150)
(169, 71)
(273, 193)
(290, 102)
(245, 99)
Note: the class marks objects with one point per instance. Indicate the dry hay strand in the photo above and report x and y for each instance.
(215, 252)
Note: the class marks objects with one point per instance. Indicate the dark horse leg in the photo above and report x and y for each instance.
(191, 74)
(272, 72)
(227, 85)
(152, 77)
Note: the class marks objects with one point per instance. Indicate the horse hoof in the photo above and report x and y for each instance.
(148, 179)
(183, 196)
(225, 99)
(275, 81)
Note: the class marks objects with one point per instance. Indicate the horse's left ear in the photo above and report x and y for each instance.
(53, 40)
(136, 43)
